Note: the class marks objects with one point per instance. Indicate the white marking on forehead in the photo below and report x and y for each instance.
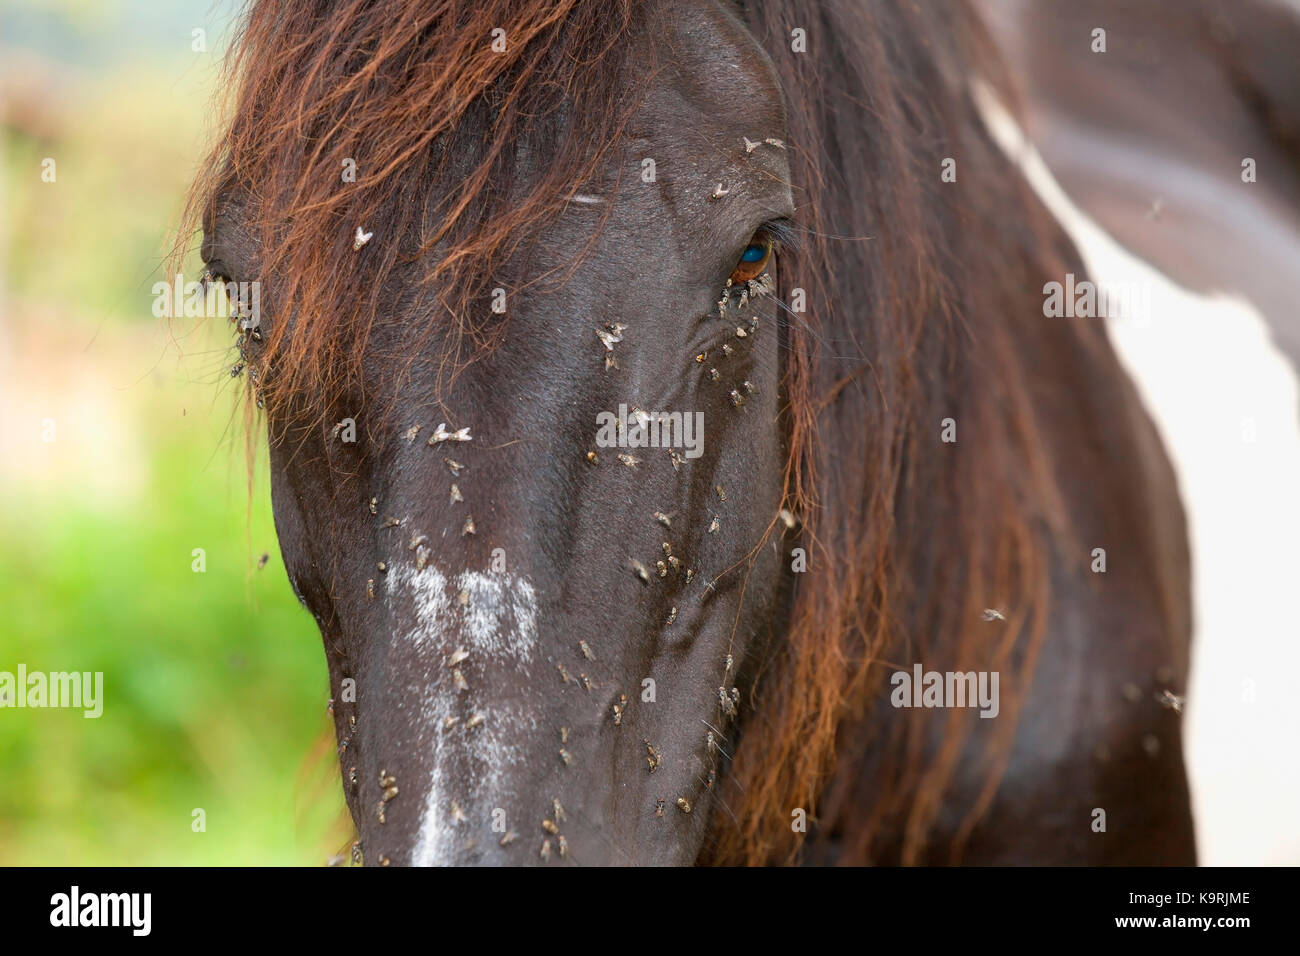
(498, 628)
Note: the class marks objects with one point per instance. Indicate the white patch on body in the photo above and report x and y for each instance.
(498, 629)
(1224, 400)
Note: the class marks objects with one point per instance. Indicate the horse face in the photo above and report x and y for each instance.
(544, 613)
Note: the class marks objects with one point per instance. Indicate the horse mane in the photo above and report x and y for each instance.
(909, 538)
(912, 319)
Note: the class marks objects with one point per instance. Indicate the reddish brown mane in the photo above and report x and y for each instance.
(435, 120)
(909, 538)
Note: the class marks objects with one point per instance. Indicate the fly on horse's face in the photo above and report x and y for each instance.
(558, 625)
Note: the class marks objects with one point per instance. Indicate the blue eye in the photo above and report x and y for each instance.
(754, 259)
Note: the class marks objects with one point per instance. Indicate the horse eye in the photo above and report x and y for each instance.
(754, 260)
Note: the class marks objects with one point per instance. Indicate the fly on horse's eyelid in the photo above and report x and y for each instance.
(727, 705)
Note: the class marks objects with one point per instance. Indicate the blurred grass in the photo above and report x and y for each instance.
(214, 683)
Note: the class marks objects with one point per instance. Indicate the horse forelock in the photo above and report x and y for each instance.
(430, 106)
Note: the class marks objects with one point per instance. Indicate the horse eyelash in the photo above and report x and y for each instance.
(785, 235)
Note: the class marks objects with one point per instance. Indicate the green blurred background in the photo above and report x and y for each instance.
(215, 687)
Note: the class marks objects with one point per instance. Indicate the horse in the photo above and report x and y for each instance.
(1222, 159)
(480, 227)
